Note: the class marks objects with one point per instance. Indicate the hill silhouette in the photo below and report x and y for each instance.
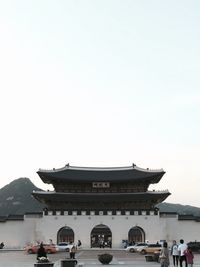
(178, 208)
(16, 199)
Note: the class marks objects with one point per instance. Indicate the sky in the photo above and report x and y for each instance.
(101, 83)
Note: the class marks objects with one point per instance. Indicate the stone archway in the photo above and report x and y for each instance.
(136, 234)
(65, 234)
(101, 236)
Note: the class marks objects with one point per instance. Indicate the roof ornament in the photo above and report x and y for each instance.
(67, 165)
(133, 165)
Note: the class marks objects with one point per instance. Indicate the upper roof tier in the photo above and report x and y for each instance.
(100, 174)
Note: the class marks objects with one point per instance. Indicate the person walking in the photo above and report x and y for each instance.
(181, 248)
(189, 256)
(72, 252)
(164, 255)
(175, 253)
(79, 244)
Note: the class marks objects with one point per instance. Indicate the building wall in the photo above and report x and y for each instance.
(17, 234)
(174, 229)
(83, 225)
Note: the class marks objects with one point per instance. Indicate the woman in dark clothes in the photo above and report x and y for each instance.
(41, 252)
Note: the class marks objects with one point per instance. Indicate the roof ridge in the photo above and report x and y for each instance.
(133, 166)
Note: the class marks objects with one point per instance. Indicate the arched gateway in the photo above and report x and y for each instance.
(101, 236)
(65, 234)
(136, 234)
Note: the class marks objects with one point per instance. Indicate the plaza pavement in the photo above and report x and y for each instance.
(86, 258)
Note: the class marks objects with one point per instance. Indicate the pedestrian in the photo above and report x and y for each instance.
(41, 252)
(175, 253)
(189, 256)
(164, 255)
(1, 245)
(72, 252)
(181, 248)
(79, 243)
(101, 243)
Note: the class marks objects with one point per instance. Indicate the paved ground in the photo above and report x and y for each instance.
(86, 258)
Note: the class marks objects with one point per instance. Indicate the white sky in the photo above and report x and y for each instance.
(101, 83)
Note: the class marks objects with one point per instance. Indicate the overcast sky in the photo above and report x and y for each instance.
(101, 83)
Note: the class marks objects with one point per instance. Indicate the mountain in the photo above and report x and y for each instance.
(178, 208)
(16, 198)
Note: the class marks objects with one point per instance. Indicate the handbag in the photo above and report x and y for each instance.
(162, 255)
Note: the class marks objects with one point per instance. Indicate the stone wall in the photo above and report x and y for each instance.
(16, 234)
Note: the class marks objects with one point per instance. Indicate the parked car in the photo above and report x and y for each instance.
(136, 247)
(151, 248)
(195, 246)
(64, 246)
(49, 248)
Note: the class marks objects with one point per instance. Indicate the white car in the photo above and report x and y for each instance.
(64, 246)
(137, 247)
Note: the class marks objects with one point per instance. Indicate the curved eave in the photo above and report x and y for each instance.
(84, 175)
(68, 197)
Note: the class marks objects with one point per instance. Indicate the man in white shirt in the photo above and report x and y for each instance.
(181, 248)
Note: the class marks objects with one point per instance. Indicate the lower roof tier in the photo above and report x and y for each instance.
(140, 200)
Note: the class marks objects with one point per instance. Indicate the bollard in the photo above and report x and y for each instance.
(44, 264)
(149, 257)
(68, 263)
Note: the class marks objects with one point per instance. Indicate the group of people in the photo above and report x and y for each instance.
(42, 253)
(180, 253)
